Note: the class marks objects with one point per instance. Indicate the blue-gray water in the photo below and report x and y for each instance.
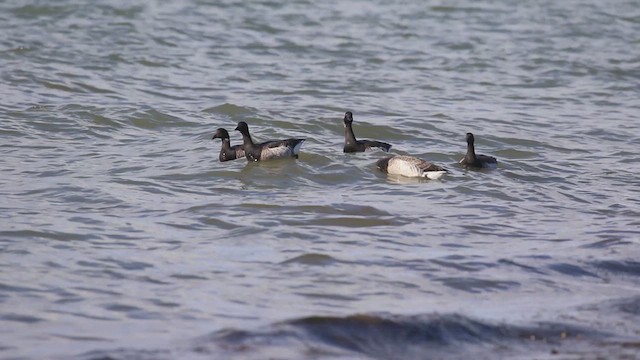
(123, 237)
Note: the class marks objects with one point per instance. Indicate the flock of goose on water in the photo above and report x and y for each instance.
(402, 165)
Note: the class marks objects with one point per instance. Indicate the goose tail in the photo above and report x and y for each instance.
(434, 175)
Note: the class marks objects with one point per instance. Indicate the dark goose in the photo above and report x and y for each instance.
(410, 166)
(353, 145)
(228, 152)
(472, 160)
(269, 149)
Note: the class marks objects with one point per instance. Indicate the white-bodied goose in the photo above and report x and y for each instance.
(410, 166)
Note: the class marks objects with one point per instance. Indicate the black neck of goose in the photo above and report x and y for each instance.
(471, 152)
(226, 144)
(246, 140)
(349, 136)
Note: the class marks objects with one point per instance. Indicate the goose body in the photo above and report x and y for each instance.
(351, 144)
(228, 152)
(267, 150)
(471, 160)
(410, 166)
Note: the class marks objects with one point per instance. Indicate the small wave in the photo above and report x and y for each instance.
(571, 270)
(128, 265)
(379, 336)
(151, 119)
(35, 11)
(20, 318)
(394, 337)
(311, 259)
(129, 354)
(629, 307)
(622, 268)
(476, 285)
(229, 109)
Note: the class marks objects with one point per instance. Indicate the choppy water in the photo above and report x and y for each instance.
(123, 237)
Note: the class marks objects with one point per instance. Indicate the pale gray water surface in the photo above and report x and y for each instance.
(123, 237)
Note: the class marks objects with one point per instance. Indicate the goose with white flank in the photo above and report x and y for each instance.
(268, 150)
(410, 166)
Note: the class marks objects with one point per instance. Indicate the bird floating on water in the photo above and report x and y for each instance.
(352, 145)
(410, 166)
(228, 152)
(471, 160)
(268, 150)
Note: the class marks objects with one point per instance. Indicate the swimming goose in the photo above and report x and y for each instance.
(268, 149)
(353, 145)
(410, 166)
(228, 152)
(477, 161)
